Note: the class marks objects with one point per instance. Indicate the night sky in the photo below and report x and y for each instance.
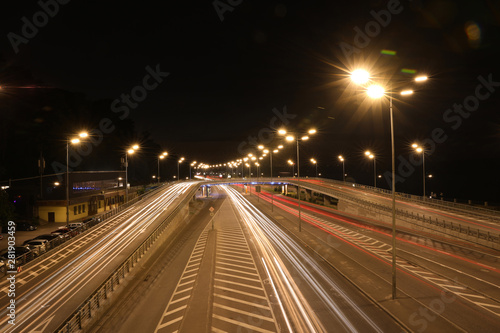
(218, 82)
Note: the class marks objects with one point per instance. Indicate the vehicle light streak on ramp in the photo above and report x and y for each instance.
(269, 238)
(52, 294)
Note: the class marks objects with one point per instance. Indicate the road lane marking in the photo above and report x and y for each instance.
(250, 314)
(180, 298)
(238, 284)
(243, 324)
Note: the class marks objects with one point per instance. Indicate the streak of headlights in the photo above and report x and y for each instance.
(269, 237)
(92, 260)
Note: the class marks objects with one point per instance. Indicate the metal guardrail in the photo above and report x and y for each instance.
(29, 257)
(454, 206)
(474, 211)
(77, 320)
(400, 213)
(422, 219)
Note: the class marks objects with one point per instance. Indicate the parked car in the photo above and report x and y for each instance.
(48, 237)
(32, 249)
(39, 244)
(75, 225)
(23, 254)
(64, 232)
(19, 251)
(25, 226)
(53, 240)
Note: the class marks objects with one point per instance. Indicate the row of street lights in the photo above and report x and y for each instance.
(374, 91)
(289, 137)
(131, 150)
(419, 149)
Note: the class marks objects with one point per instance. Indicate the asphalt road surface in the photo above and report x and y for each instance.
(239, 272)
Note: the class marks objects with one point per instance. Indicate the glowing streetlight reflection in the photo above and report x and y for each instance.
(375, 91)
(360, 76)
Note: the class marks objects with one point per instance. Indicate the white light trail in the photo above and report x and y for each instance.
(268, 238)
(70, 279)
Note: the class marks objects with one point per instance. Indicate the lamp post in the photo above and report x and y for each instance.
(178, 163)
(372, 157)
(68, 141)
(313, 161)
(191, 165)
(270, 152)
(421, 150)
(375, 91)
(341, 158)
(161, 157)
(251, 159)
(128, 152)
(297, 139)
(293, 167)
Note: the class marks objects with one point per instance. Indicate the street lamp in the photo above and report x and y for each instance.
(341, 158)
(128, 152)
(72, 141)
(372, 157)
(191, 165)
(421, 150)
(161, 157)
(178, 163)
(293, 167)
(244, 163)
(376, 91)
(313, 161)
(270, 152)
(297, 139)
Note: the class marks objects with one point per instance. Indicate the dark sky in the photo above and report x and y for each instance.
(226, 77)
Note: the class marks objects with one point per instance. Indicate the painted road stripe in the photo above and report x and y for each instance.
(250, 314)
(242, 301)
(238, 284)
(239, 323)
(240, 292)
(238, 277)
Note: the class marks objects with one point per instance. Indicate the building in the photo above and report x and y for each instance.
(90, 193)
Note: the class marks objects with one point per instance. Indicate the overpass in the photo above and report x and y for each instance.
(469, 223)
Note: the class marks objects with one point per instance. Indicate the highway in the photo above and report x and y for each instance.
(484, 222)
(239, 271)
(246, 267)
(458, 285)
(51, 288)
